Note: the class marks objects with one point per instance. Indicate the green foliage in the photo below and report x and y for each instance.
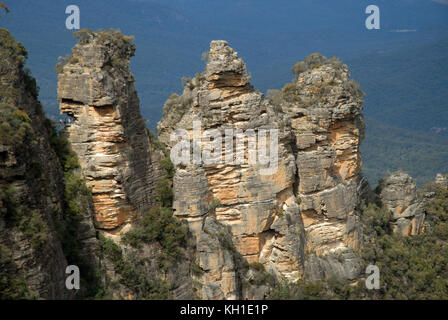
(12, 283)
(30, 83)
(314, 60)
(160, 225)
(67, 157)
(163, 188)
(155, 143)
(111, 250)
(123, 45)
(34, 228)
(257, 266)
(413, 267)
(196, 270)
(14, 126)
(176, 106)
(19, 216)
(12, 49)
(377, 220)
(134, 276)
(291, 93)
(132, 270)
(301, 290)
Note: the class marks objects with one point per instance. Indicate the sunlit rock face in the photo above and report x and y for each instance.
(399, 194)
(259, 209)
(324, 107)
(307, 205)
(105, 128)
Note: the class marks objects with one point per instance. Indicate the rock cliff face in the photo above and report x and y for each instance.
(106, 130)
(270, 188)
(32, 263)
(399, 194)
(260, 210)
(314, 186)
(324, 106)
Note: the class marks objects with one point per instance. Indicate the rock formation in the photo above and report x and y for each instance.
(324, 106)
(398, 193)
(271, 188)
(442, 180)
(106, 130)
(315, 186)
(260, 210)
(32, 262)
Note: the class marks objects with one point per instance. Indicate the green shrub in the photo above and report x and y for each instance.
(109, 249)
(196, 269)
(257, 266)
(155, 143)
(160, 225)
(133, 272)
(12, 283)
(35, 229)
(15, 126)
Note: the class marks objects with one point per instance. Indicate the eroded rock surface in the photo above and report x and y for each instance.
(260, 210)
(105, 129)
(307, 206)
(324, 106)
(399, 194)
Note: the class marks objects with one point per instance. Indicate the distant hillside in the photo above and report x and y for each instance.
(406, 87)
(406, 110)
(387, 149)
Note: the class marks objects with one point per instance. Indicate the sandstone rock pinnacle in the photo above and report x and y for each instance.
(105, 129)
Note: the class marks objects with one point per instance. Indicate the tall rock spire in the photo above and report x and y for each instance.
(106, 130)
(260, 211)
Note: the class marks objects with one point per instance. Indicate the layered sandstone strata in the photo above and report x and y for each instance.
(324, 106)
(301, 218)
(105, 128)
(258, 209)
(399, 194)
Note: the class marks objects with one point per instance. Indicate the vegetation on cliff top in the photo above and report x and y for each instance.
(120, 48)
(292, 93)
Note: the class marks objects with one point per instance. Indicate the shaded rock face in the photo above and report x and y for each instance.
(314, 190)
(324, 106)
(31, 186)
(399, 194)
(106, 130)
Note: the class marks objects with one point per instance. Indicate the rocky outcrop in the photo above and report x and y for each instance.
(105, 128)
(259, 209)
(32, 262)
(307, 204)
(442, 180)
(324, 106)
(399, 194)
